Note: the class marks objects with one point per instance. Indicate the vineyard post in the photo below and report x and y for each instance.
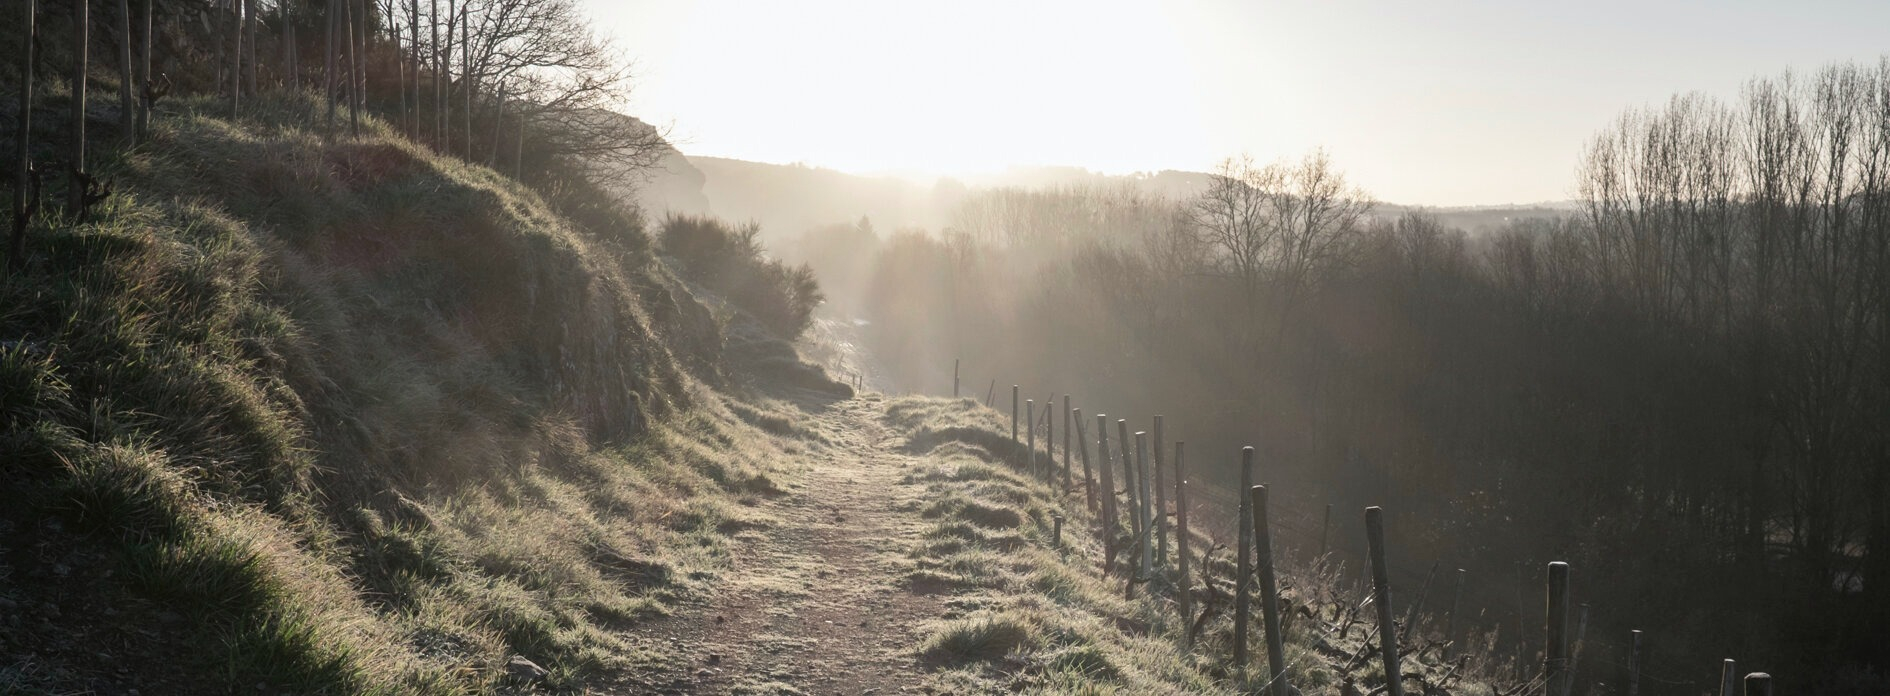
(1634, 663)
(1109, 514)
(1269, 594)
(1148, 519)
(1243, 568)
(1575, 649)
(1068, 415)
(1014, 397)
(1184, 596)
(1030, 435)
(1082, 448)
(1161, 500)
(1450, 619)
(1050, 439)
(1128, 485)
(1758, 684)
(1381, 592)
(1555, 643)
(1056, 537)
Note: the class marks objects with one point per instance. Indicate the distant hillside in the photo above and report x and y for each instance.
(788, 199)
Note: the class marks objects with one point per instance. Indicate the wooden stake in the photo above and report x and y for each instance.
(1634, 663)
(1068, 414)
(954, 378)
(1381, 591)
(1030, 435)
(1082, 449)
(1184, 594)
(1014, 397)
(1269, 594)
(1148, 521)
(1110, 518)
(1161, 501)
(1244, 564)
(1129, 486)
(1450, 619)
(1575, 649)
(1555, 643)
(1758, 684)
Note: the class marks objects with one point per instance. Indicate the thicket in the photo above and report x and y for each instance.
(731, 262)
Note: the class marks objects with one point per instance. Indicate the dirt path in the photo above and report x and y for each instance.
(814, 604)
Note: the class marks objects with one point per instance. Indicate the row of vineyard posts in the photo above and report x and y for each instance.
(1136, 550)
(425, 74)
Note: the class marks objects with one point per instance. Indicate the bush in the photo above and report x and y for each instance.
(730, 262)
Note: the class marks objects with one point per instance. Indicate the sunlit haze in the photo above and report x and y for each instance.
(1441, 103)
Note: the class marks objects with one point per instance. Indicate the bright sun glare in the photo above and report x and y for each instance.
(1454, 102)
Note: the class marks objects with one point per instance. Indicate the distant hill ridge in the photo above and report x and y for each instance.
(788, 199)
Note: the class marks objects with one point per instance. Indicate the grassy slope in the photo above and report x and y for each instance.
(1036, 618)
(344, 417)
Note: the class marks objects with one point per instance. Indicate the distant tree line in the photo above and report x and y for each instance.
(1683, 387)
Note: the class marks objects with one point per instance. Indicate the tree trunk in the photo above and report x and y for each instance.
(439, 77)
(446, 97)
(249, 29)
(236, 56)
(288, 46)
(465, 71)
(354, 97)
(81, 50)
(400, 75)
(361, 29)
(144, 74)
(413, 30)
(328, 62)
(127, 109)
(498, 130)
(23, 165)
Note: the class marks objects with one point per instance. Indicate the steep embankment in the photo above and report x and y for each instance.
(296, 415)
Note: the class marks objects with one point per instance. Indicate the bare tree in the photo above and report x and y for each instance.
(328, 61)
(22, 155)
(81, 44)
(147, 96)
(354, 92)
(127, 112)
(249, 29)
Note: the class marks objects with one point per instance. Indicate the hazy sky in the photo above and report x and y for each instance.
(1441, 102)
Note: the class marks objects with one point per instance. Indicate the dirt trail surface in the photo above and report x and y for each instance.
(815, 603)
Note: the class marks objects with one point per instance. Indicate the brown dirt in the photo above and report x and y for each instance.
(815, 604)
